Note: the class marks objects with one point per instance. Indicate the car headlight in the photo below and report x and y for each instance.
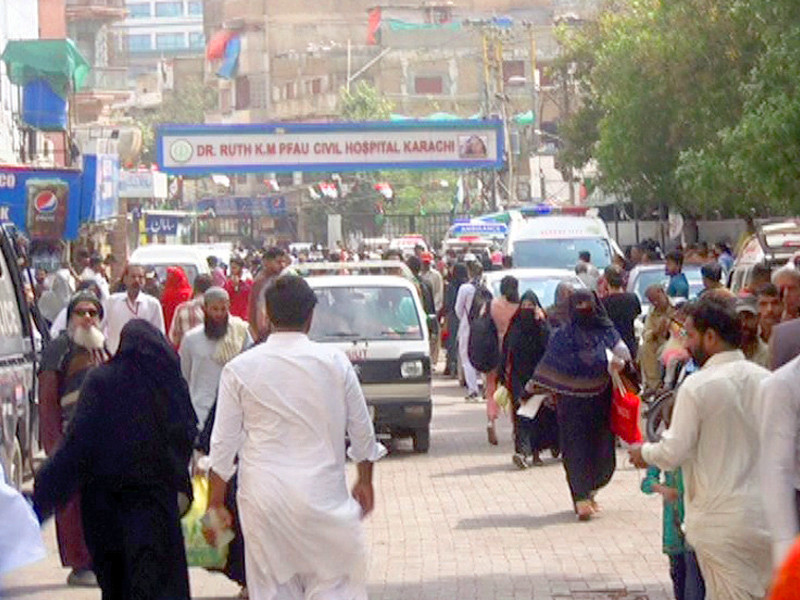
(411, 368)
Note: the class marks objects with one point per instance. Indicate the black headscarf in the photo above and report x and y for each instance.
(524, 345)
(153, 362)
(460, 276)
(575, 363)
(558, 314)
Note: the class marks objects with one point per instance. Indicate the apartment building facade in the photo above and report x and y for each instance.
(156, 31)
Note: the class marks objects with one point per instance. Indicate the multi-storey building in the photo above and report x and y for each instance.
(18, 20)
(157, 31)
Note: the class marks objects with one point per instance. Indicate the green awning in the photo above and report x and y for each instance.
(526, 118)
(58, 61)
(400, 25)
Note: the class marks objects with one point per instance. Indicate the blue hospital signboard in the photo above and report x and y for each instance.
(287, 147)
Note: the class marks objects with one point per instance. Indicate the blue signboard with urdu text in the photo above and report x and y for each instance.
(161, 225)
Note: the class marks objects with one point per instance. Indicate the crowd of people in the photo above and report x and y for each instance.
(140, 381)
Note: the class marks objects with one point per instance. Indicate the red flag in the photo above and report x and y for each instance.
(215, 48)
(373, 25)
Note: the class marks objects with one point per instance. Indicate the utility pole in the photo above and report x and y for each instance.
(536, 141)
(567, 82)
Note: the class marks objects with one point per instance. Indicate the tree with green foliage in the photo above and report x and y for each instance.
(658, 80)
(185, 105)
(364, 103)
(753, 164)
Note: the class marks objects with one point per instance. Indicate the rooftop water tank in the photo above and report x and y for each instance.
(42, 108)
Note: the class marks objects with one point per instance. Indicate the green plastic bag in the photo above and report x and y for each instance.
(502, 397)
(199, 553)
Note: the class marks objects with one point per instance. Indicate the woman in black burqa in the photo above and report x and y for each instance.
(575, 367)
(128, 449)
(523, 347)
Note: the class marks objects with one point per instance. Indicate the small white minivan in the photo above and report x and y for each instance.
(379, 322)
(192, 260)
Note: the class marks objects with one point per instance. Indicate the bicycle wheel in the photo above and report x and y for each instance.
(657, 415)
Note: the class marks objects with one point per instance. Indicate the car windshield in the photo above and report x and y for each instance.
(365, 313)
(560, 253)
(657, 276)
(647, 278)
(543, 287)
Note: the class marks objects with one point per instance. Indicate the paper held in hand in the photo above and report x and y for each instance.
(530, 408)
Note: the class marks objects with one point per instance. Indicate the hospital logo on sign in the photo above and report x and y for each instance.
(181, 151)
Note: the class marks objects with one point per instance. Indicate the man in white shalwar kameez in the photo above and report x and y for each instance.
(714, 437)
(283, 408)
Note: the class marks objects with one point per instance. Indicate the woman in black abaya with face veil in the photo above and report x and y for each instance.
(127, 450)
(523, 348)
(575, 368)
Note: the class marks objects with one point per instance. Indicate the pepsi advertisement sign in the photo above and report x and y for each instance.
(44, 203)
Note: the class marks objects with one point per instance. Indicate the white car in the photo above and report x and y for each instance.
(542, 281)
(379, 322)
(191, 259)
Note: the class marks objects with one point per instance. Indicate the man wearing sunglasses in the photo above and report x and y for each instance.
(66, 361)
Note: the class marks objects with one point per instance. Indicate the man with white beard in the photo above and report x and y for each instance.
(66, 361)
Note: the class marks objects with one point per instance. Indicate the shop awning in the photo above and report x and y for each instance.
(58, 61)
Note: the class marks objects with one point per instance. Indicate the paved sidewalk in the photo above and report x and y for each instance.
(463, 523)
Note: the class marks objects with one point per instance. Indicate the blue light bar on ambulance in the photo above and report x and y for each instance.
(480, 229)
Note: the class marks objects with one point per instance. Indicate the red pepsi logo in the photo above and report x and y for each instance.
(46, 202)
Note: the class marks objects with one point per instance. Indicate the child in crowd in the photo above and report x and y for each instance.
(687, 581)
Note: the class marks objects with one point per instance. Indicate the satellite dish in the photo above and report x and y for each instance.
(675, 222)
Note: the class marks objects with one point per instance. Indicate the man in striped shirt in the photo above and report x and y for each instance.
(189, 314)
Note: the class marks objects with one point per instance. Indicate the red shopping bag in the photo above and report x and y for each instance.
(625, 406)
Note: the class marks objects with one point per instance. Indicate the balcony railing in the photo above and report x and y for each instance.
(106, 10)
(97, 3)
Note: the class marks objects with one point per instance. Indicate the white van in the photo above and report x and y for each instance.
(191, 259)
(554, 242)
(774, 243)
(379, 322)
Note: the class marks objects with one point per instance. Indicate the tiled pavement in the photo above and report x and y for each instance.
(463, 523)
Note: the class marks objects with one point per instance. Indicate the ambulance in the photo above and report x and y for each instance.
(553, 240)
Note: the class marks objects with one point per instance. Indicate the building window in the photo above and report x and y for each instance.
(196, 8)
(316, 86)
(428, 85)
(225, 101)
(138, 10)
(513, 68)
(169, 9)
(258, 91)
(438, 15)
(139, 42)
(290, 91)
(242, 93)
(196, 39)
(170, 41)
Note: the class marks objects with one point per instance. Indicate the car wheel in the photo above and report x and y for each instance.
(35, 446)
(422, 440)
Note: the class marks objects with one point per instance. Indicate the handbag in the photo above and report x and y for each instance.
(625, 405)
